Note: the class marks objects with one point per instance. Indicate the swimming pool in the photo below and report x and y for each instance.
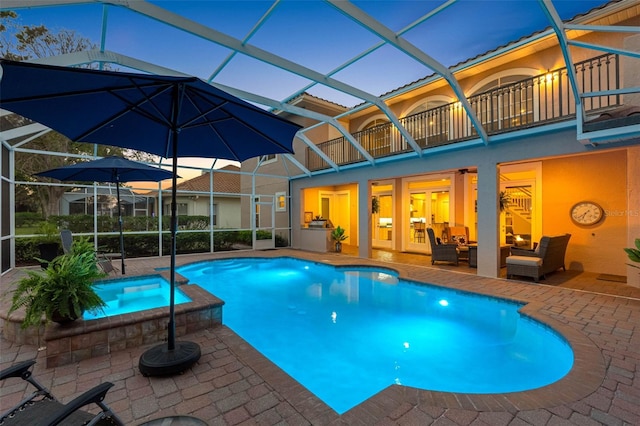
(346, 334)
(124, 296)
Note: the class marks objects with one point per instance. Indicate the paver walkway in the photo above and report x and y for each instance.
(233, 384)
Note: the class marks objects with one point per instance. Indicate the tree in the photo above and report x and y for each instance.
(23, 42)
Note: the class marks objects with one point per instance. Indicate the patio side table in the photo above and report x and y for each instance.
(505, 250)
(473, 255)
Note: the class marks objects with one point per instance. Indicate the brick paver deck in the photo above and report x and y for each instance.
(233, 384)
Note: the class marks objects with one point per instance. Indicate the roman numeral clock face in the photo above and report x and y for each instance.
(586, 213)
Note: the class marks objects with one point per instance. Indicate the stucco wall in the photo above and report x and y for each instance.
(601, 178)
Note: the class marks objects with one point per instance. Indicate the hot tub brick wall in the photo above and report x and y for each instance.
(99, 337)
(115, 346)
(115, 334)
(13, 332)
(100, 349)
(86, 339)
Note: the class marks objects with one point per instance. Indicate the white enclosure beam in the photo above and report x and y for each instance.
(366, 21)
(558, 28)
(607, 49)
(195, 28)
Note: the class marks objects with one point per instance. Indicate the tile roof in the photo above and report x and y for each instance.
(222, 182)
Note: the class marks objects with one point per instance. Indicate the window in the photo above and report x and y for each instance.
(257, 215)
(182, 209)
(281, 201)
(505, 102)
(429, 122)
(215, 214)
(376, 138)
(266, 159)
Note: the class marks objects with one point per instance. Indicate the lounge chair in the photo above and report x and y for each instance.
(103, 261)
(442, 252)
(42, 408)
(547, 257)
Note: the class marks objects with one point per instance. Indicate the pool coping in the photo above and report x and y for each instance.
(585, 377)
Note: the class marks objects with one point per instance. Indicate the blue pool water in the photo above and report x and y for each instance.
(346, 334)
(128, 295)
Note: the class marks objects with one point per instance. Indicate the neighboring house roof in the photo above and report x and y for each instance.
(222, 182)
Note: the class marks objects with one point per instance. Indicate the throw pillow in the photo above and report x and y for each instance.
(461, 240)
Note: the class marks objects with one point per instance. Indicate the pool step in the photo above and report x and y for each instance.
(130, 295)
(218, 267)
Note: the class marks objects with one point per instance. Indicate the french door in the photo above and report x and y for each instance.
(426, 208)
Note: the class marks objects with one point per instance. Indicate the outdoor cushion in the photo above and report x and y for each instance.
(524, 260)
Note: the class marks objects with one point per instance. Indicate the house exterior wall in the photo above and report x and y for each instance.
(229, 208)
(565, 163)
(567, 170)
(536, 60)
(228, 216)
(595, 248)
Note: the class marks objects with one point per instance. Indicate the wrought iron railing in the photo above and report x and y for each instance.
(531, 102)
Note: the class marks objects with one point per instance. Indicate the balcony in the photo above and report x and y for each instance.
(532, 102)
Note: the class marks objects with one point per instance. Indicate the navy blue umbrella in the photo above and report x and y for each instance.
(167, 116)
(110, 169)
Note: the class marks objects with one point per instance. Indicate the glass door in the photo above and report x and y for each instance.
(428, 208)
(382, 221)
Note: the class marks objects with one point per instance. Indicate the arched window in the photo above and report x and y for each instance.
(375, 137)
(504, 102)
(429, 122)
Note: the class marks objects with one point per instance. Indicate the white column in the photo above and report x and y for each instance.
(488, 218)
(364, 219)
(633, 213)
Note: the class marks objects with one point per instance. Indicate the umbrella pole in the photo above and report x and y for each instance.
(174, 227)
(175, 357)
(120, 221)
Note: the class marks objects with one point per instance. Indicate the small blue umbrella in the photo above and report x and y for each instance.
(168, 116)
(109, 169)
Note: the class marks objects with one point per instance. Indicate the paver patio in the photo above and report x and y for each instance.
(233, 384)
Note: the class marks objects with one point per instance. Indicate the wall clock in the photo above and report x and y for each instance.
(586, 213)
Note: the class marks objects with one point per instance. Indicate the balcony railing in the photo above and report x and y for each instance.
(531, 102)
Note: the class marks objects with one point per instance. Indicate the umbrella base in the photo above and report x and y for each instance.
(160, 361)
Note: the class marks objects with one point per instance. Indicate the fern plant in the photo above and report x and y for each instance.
(634, 253)
(62, 291)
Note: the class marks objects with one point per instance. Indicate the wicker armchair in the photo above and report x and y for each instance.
(442, 252)
(548, 257)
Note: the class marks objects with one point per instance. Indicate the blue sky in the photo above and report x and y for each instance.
(308, 32)
(311, 33)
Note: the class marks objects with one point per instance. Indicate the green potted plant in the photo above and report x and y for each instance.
(375, 205)
(48, 243)
(504, 200)
(338, 236)
(63, 291)
(634, 253)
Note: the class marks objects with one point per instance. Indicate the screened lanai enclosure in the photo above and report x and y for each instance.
(213, 212)
(393, 89)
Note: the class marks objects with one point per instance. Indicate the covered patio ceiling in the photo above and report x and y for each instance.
(353, 54)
